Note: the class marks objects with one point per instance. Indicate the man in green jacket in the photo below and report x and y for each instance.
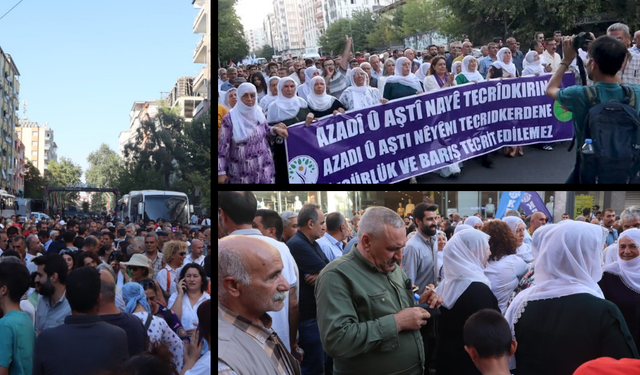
(367, 317)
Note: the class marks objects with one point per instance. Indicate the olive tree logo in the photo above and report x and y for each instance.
(303, 170)
(561, 112)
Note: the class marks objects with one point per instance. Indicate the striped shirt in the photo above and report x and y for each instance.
(264, 336)
(631, 72)
(338, 82)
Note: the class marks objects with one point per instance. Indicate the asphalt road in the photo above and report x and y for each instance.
(536, 166)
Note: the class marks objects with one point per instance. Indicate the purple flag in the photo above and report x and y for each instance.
(411, 136)
(531, 202)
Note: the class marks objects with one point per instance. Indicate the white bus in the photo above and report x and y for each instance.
(8, 204)
(172, 206)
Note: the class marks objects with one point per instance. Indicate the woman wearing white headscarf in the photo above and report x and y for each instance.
(518, 227)
(456, 68)
(305, 88)
(230, 98)
(469, 71)
(287, 110)
(474, 222)
(621, 281)
(533, 64)
(320, 103)
(504, 66)
(465, 290)
(360, 95)
(243, 151)
(272, 93)
(461, 227)
(610, 254)
(564, 317)
(403, 83)
(422, 72)
(504, 268)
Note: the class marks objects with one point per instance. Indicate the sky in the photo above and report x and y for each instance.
(83, 63)
(253, 12)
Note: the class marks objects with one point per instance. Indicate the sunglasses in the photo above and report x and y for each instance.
(182, 254)
(133, 268)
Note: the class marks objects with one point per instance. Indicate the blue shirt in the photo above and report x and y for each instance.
(226, 86)
(485, 64)
(517, 61)
(612, 236)
(574, 99)
(331, 247)
(17, 342)
(51, 316)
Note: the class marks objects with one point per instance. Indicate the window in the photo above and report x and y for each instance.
(34, 153)
(34, 143)
(35, 164)
(34, 134)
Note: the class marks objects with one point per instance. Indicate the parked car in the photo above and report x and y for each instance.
(39, 216)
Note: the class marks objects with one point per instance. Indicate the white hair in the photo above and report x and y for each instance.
(231, 263)
(631, 213)
(513, 213)
(287, 216)
(619, 26)
(374, 219)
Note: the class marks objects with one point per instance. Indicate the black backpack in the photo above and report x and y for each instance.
(614, 127)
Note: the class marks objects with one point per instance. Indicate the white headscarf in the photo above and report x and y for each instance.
(361, 96)
(532, 66)
(320, 102)
(409, 80)
(510, 67)
(244, 118)
(306, 88)
(538, 235)
(461, 227)
(524, 251)
(463, 263)
(269, 98)
(628, 270)
(568, 263)
(226, 98)
(422, 72)
(472, 221)
(454, 69)
(285, 108)
(471, 76)
(610, 254)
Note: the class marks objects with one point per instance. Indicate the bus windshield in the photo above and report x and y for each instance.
(173, 209)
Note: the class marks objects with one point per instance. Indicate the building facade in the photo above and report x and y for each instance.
(289, 26)
(140, 111)
(9, 99)
(338, 9)
(312, 22)
(182, 94)
(39, 144)
(255, 39)
(18, 167)
(202, 56)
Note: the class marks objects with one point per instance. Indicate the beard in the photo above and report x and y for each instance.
(429, 230)
(47, 289)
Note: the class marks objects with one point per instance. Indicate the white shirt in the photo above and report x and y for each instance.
(331, 247)
(504, 275)
(203, 366)
(206, 221)
(194, 219)
(199, 260)
(554, 60)
(280, 318)
(159, 332)
(166, 273)
(27, 307)
(189, 313)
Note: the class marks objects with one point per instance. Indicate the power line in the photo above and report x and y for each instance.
(11, 9)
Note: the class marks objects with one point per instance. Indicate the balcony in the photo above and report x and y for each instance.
(319, 15)
(318, 4)
(200, 83)
(200, 24)
(200, 55)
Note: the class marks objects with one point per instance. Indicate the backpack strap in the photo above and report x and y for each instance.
(630, 94)
(592, 95)
(168, 281)
(148, 322)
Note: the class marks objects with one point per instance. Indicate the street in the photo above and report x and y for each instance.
(536, 166)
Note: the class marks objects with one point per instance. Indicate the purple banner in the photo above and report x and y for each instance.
(531, 202)
(411, 136)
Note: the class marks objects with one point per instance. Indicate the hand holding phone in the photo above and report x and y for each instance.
(182, 286)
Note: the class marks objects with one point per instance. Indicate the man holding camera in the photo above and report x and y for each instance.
(606, 57)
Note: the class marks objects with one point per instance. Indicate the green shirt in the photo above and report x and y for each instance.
(356, 303)
(17, 342)
(461, 79)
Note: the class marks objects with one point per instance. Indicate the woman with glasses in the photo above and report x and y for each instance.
(139, 269)
(160, 310)
(191, 293)
(174, 254)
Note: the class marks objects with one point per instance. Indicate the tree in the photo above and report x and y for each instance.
(387, 32)
(361, 23)
(231, 42)
(266, 51)
(63, 174)
(158, 146)
(104, 170)
(34, 183)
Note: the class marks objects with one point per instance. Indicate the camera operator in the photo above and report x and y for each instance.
(630, 71)
(606, 57)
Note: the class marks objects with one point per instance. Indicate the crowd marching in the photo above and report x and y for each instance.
(258, 102)
(318, 293)
(104, 296)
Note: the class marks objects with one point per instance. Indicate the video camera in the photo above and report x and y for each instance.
(582, 40)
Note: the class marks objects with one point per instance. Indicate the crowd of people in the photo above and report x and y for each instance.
(262, 100)
(98, 297)
(317, 293)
